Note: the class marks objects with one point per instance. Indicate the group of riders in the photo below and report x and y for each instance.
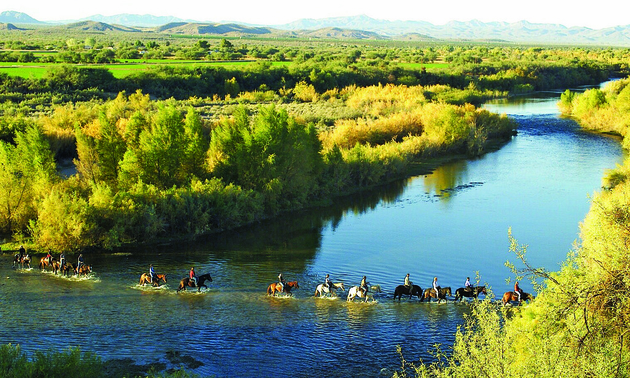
(22, 257)
(364, 286)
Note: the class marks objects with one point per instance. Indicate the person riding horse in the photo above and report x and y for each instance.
(22, 252)
(518, 291)
(193, 276)
(408, 284)
(151, 273)
(364, 285)
(79, 262)
(281, 282)
(62, 259)
(468, 286)
(49, 257)
(436, 288)
(328, 283)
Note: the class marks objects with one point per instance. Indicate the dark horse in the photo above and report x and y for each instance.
(472, 292)
(430, 293)
(67, 268)
(511, 296)
(274, 287)
(402, 289)
(187, 282)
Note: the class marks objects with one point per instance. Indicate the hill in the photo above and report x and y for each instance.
(95, 26)
(191, 28)
(8, 26)
(137, 20)
(13, 17)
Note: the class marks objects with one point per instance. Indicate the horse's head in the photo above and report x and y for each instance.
(205, 277)
(293, 285)
(482, 289)
(162, 277)
(340, 286)
(447, 291)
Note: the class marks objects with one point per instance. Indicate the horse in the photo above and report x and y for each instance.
(357, 291)
(430, 293)
(472, 292)
(187, 282)
(288, 286)
(55, 266)
(145, 279)
(402, 289)
(511, 296)
(84, 269)
(376, 289)
(323, 289)
(67, 268)
(43, 262)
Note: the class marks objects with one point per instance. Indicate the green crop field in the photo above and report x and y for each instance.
(119, 70)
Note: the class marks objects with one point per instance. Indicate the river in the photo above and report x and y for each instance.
(449, 224)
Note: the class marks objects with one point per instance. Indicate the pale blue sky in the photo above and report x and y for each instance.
(600, 14)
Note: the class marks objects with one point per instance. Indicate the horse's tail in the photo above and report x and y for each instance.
(269, 290)
(316, 293)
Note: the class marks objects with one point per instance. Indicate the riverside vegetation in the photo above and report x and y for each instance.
(233, 146)
(577, 326)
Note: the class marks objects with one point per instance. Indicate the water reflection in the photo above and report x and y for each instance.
(444, 179)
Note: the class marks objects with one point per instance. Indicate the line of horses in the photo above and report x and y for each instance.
(275, 288)
(442, 293)
(55, 265)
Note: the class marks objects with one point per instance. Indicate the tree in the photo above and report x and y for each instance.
(272, 154)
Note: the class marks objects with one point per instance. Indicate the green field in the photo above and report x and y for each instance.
(119, 70)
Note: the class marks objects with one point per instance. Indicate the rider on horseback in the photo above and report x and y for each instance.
(436, 287)
(79, 262)
(49, 257)
(62, 259)
(281, 282)
(151, 273)
(468, 286)
(22, 252)
(364, 285)
(408, 283)
(193, 276)
(517, 290)
(328, 283)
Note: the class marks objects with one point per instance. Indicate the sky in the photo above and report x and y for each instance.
(597, 15)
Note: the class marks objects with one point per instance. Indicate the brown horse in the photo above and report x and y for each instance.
(288, 286)
(67, 268)
(144, 279)
(511, 296)
(84, 269)
(471, 292)
(44, 263)
(430, 293)
(187, 282)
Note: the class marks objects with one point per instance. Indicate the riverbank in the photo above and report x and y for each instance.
(577, 324)
(149, 172)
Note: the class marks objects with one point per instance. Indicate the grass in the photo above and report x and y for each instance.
(119, 70)
(428, 66)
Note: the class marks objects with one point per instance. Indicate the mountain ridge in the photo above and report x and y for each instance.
(362, 27)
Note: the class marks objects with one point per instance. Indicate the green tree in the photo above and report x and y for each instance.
(272, 154)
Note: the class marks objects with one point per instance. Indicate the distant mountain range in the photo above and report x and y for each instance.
(355, 27)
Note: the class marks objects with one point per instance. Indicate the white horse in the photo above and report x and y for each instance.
(356, 291)
(322, 289)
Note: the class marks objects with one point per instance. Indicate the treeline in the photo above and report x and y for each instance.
(72, 83)
(577, 325)
(147, 170)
